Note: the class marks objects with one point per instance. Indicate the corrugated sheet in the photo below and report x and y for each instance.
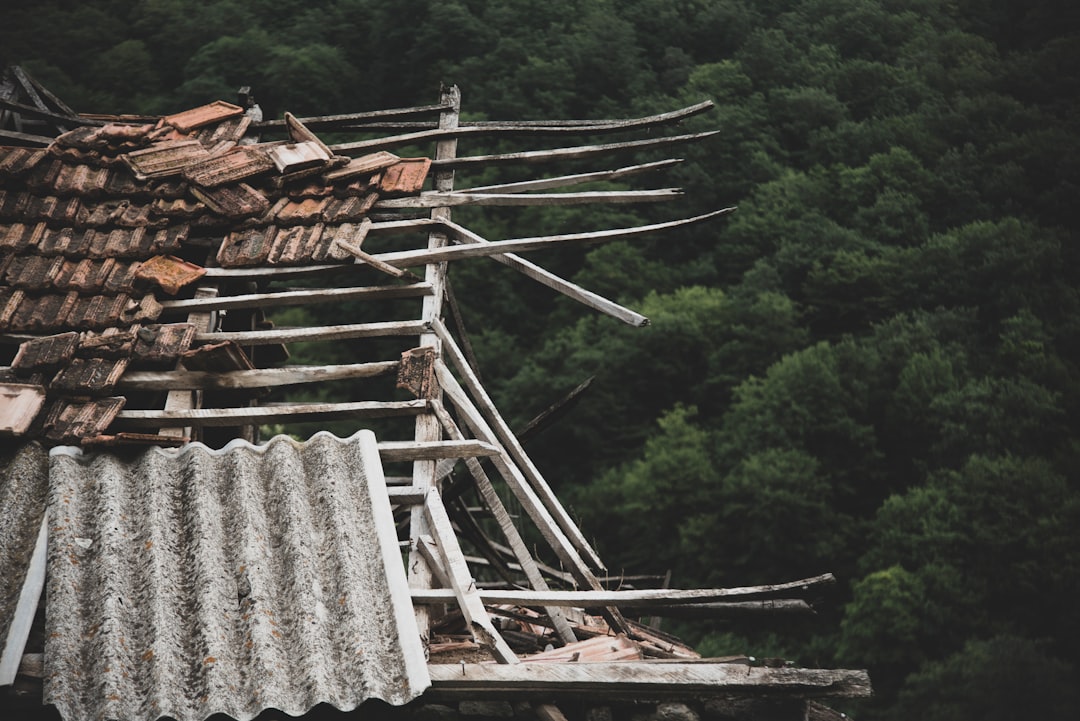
(24, 479)
(193, 582)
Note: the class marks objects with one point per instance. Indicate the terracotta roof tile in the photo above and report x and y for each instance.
(33, 272)
(231, 130)
(86, 276)
(45, 353)
(233, 201)
(169, 272)
(42, 313)
(64, 241)
(303, 212)
(70, 421)
(18, 161)
(178, 208)
(168, 188)
(364, 165)
(20, 404)
(405, 177)
(328, 251)
(89, 376)
(161, 345)
(349, 210)
(122, 278)
(216, 111)
(295, 245)
(100, 311)
(235, 165)
(316, 188)
(224, 356)
(246, 247)
(165, 158)
(17, 237)
(109, 343)
(10, 301)
(81, 180)
(291, 157)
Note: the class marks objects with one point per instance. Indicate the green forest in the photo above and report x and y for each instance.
(871, 368)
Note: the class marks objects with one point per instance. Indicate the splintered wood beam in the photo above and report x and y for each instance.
(641, 598)
(331, 121)
(317, 333)
(506, 524)
(564, 181)
(435, 199)
(549, 528)
(299, 297)
(26, 137)
(283, 413)
(643, 679)
(261, 378)
(502, 432)
(571, 127)
(25, 608)
(462, 584)
(392, 451)
(406, 258)
(555, 282)
(581, 151)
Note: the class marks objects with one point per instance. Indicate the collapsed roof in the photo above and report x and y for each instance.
(138, 258)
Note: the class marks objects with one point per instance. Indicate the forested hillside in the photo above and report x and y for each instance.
(872, 368)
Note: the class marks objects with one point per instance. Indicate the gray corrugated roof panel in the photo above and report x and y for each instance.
(193, 582)
(24, 479)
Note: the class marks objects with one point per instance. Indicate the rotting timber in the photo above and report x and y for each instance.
(275, 218)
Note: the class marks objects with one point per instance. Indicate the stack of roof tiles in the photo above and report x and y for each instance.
(99, 227)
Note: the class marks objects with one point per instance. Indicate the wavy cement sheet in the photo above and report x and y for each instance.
(24, 477)
(192, 582)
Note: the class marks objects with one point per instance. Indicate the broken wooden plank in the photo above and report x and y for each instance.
(463, 586)
(317, 333)
(502, 517)
(505, 436)
(526, 128)
(572, 153)
(652, 598)
(305, 296)
(564, 181)
(260, 378)
(283, 413)
(433, 450)
(330, 121)
(646, 679)
(555, 282)
(406, 258)
(436, 199)
(25, 608)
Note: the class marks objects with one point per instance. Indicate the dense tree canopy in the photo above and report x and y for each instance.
(871, 368)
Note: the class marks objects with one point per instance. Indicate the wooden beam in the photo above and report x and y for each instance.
(283, 413)
(555, 282)
(406, 258)
(645, 678)
(25, 608)
(304, 296)
(317, 333)
(261, 378)
(564, 181)
(506, 436)
(435, 199)
(433, 450)
(506, 524)
(529, 128)
(330, 121)
(573, 153)
(641, 598)
(463, 586)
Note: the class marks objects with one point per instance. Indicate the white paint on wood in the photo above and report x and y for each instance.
(25, 608)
